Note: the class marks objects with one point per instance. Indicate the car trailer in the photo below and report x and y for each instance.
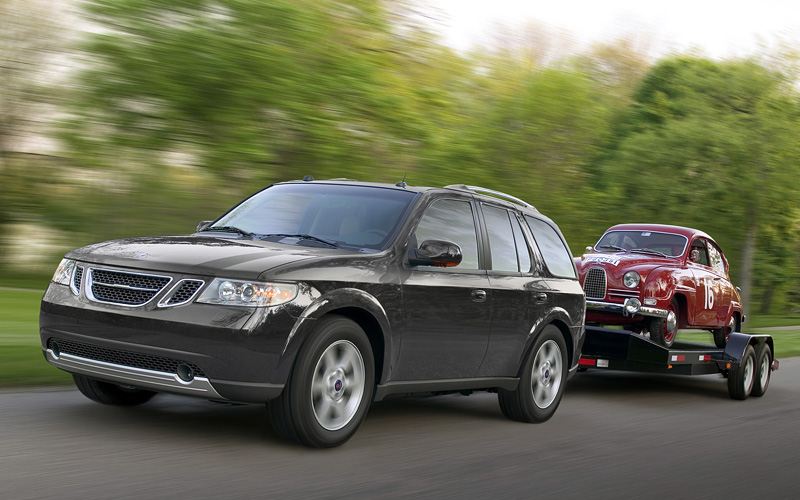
(747, 361)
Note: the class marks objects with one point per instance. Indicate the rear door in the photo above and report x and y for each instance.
(519, 295)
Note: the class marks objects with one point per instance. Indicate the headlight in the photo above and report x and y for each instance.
(631, 279)
(247, 293)
(64, 272)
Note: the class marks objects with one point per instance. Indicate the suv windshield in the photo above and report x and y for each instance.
(321, 214)
(667, 244)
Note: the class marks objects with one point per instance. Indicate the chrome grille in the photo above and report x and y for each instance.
(117, 357)
(182, 293)
(123, 288)
(595, 283)
(76, 280)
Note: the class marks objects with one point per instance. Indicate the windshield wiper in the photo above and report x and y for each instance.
(230, 229)
(649, 250)
(612, 247)
(330, 243)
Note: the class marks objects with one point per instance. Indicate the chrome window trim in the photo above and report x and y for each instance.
(166, 297)
(89, 281)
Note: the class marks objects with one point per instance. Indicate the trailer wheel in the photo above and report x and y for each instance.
(763, 371)
(541, 382)
(741, 378)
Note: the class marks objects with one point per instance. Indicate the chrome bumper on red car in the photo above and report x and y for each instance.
(631, 307)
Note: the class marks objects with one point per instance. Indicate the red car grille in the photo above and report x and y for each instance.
(595, 283)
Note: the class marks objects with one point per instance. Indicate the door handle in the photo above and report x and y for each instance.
(540, 298)
(479, 295)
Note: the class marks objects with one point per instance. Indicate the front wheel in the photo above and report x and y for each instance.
(111, 394)
(330, 386)
(664, 330)
(542, 380)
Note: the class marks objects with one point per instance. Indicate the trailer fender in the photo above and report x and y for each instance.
(738, 342)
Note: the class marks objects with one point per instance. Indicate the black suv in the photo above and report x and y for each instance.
(319, 297)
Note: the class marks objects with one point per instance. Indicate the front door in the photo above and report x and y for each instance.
(445, 310)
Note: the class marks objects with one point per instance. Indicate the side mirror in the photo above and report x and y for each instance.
(589, 249)
(439, 253)
(203, 224)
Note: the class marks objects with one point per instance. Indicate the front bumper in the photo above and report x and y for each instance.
(129, 375)
(627, 308)
(234, 355)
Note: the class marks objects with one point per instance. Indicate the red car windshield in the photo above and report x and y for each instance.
(668, 244)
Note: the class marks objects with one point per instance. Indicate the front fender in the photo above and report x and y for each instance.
(660, 285)
(346, 300)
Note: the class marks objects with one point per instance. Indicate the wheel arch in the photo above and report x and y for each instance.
(352, 303)
(560, 319)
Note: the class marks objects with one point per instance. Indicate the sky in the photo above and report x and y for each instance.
(720, 29)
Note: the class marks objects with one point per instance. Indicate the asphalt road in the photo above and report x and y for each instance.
(616, 435)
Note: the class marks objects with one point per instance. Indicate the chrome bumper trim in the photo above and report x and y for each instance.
(596, 305)
(138, 377)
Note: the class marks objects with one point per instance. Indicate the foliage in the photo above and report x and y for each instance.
(182, 107)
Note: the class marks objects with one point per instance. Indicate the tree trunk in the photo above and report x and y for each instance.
(748, 251)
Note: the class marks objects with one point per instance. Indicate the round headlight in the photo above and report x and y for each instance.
(227, 290)
(631, 279)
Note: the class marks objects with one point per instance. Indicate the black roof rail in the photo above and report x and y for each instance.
(492, 192)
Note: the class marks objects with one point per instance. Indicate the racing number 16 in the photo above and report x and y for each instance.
(709, 299)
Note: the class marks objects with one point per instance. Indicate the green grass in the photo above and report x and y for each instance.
(767, 321)
(22, 363)
(21, 360)
(787, 342)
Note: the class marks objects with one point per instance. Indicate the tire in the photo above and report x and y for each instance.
(542, 379)
(721, 335)
(763, 371)
(742, 378)
(111, 394)
(664, 330)
(330, 386)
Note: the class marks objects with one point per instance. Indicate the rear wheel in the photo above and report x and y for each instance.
(664, 330)
(329, 390)
(763, 371)
(742, 377)
(111, 394)
(541, 384)
(721, 335)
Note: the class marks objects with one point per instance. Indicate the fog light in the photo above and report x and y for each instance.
(632, 306)
(185, 372)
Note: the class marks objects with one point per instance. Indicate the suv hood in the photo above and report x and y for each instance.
(198, 255)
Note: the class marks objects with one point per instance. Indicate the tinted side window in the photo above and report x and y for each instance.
(715, 256)
(523, 254)
(556, 255)
(701, 255)
(501, 239)
(451, 220)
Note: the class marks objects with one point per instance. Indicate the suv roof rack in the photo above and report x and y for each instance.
(492, 192)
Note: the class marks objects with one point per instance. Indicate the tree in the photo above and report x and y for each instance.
(28, 38)
(713, 144)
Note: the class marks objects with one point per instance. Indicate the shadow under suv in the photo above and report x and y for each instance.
(319, 297)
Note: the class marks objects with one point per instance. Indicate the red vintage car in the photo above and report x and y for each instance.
(655, 279)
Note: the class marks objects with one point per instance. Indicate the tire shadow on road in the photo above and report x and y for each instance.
(604, 384)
